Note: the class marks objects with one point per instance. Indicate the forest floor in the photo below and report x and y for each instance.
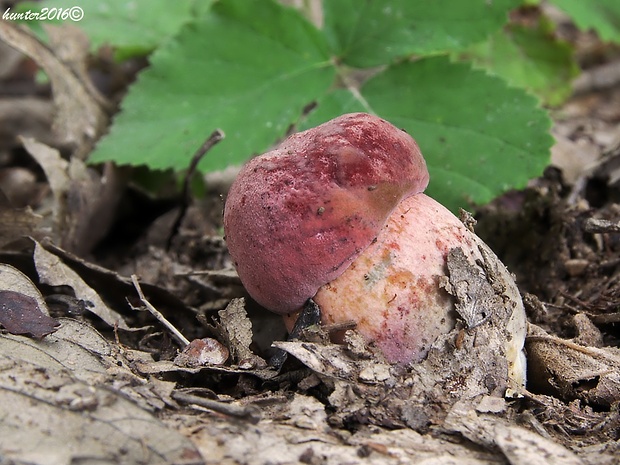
(111, 383)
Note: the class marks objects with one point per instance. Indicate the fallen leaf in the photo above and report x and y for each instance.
(51, 418)
(236, 330)
(54, 272)
(523, 447)
(16, 223)
(74, 395)
(519, 445)
(20, 314)
(326, 359)
(84, 200)
(573, 371)
(80, 119)
(22, 307)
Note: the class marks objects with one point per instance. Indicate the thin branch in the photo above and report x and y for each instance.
(156, 313)
(245, 412)
(186, 195)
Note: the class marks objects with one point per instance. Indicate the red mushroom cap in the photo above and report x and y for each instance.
(296, 217)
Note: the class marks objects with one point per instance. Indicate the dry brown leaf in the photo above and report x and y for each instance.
(50, 418)
(84, 201)
(13, 279)
(26, 116)
(16, 223)
(20, 314)
(523, 447)
(329, 360)
(79, 119)
(54, 272)
(74, 348)
(573, 371)
(22, 307)
(71, 45)
(73, 396)
(519, 445)
(236, 330)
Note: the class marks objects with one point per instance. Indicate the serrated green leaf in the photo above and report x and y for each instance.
(479, 136)
(530, 58)
(601, 15)
(366, 33)
(250, 68)
(132, 28)
(246, 70)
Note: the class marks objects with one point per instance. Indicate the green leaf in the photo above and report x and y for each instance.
(601, 15)
(366, 33)
(132, 28)
(479, 136)
(248, 68)
(530, 58)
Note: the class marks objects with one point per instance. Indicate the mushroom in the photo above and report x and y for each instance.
(336, 213)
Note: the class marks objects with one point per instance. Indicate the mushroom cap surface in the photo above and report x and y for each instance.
(296, 217)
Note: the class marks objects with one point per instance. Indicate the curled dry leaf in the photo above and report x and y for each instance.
(22, 308)
(16, 223)
(84, 201)
(235, 328)
(13, 279)
(20, 314)
(573, 371)
(518, 445)
(27, 116)
(80, 119)
(54, 272)
(68, 420)
(329, 360)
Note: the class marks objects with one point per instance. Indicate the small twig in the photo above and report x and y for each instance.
(595, 225)
(245, 412)
(186, 194)
(593, 352)
(575, 300)
(343, 326)
(161, 318)
(605, 319)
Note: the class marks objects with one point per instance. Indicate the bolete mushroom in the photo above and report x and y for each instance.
(336, 213)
